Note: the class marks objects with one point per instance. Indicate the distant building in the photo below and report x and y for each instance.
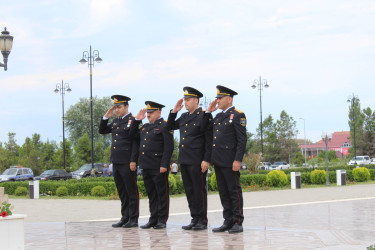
(340, 142)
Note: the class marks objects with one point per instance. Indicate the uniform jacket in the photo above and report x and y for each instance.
(195, 138)
(125, 145)
(229, 137)
(156, 144)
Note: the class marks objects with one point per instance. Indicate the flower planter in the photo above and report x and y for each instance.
(12, 235)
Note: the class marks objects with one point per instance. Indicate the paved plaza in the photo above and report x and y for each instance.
(314, 218)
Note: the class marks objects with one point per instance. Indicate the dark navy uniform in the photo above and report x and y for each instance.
(195, 147)
(228, 145)
(155, 151)
(124, 150)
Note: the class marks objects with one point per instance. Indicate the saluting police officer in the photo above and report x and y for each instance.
(228, 148)
(124, 155)
(194, 155)
(156, 148)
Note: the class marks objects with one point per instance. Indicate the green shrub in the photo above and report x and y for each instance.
(98, 191)
(21, 191)
(318, 176)
(62, 191)
(180, 186)
(276, 178)
(142, 189)
(361, 174)
(213, 182)
(254, 179)
(172, 184)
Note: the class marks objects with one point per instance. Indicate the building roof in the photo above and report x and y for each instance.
(338, 140)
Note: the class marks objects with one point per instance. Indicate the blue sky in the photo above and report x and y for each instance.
(314, 54)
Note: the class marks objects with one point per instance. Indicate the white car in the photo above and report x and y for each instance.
(279, 165)
(264, 165)
(360, 160)
(372, 161)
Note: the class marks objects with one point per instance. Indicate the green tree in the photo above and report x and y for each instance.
(299, 159)
(271, 149)
(83, 150)
(368, 137)
(174, 156)
(286, 133)
(58, 158)
(107, 155)
(9, 153)
(31, 154)
(331, 156)
(78, 119)
(356, 119)
(49, 151)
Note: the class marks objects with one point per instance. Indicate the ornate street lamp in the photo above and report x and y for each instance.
(61, 88)
(91, 56)
(260, 84)
(327, 138)
(6, 42)
(352, 101)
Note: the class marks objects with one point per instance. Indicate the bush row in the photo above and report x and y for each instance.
(274, 178)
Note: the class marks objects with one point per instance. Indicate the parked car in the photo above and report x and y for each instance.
(85, 171)
(264, 165)
(54, 174)
(372, 161)
(279, 165)
(360, 160)
(17, 173)
(243, 166)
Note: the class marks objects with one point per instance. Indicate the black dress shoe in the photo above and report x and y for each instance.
(199, 226)
(130, 224)
(236, 229)
(223, 228)
(190, 226)
(120, 223)
(148, 225)
(160, 226)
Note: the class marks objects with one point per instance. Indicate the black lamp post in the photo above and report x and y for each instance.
(91, 56)
(326, 138)
(6, 42)
(352, 100)
(204, 103)
(61, 88)
(260, 84)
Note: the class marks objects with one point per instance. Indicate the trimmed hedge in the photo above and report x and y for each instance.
(21, 191)
(318, 176)
(361, 174)
(98, 191)
(62, 191)
(85, 185)
(276, 178)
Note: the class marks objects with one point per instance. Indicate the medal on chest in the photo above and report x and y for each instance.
(231, 118)
(129, 123)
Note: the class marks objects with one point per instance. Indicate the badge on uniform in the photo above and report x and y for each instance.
(231, 118)
(129, 123)
(243, 121)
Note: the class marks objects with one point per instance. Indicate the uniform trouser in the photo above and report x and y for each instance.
(196, 193)
(157, 188)
(228, 183)
(126, 183)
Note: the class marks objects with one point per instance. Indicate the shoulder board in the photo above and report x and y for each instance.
(164, 120)
(239, 111)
